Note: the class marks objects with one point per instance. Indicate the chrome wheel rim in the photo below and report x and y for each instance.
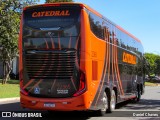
(104, 101)
(113, 101)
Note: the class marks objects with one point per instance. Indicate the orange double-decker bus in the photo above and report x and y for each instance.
(73, 58)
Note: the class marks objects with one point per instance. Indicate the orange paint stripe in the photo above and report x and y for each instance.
(30, 81)
(113, 56)
(116, 72)
(35, 85)
(109, 55)
(73, 84)
(69, 45)
(107, 47)
(118, 78)
(117, 68)
(76, 47)
(59, 41)
(52, 41)
(46, 44)
(77, 65)
(53, 84)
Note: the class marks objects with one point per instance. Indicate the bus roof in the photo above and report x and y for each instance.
(87, 7)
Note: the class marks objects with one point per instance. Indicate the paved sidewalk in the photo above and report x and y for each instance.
(9, 100)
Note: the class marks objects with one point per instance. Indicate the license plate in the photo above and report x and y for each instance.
(49, 105)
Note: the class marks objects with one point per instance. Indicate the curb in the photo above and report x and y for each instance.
(153, 85)
(9, 99)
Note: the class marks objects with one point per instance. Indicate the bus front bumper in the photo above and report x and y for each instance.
(56, 104)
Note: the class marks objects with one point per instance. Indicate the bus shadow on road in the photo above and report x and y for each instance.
(143, 104)
(74, 115)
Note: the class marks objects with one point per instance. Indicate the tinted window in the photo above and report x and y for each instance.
(51, 17)
(51, 28)
(96, 25)
(49, 43)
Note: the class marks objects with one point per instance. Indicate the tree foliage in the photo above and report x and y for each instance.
(10, 11)
(154, 62)
(53, 1)
(157, 64)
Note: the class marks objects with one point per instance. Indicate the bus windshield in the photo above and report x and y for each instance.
(51, 27)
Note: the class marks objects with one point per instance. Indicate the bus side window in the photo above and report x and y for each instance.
(106, 33)
(96, 25)
(110, 36)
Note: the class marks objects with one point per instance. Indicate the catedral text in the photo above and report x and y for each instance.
(51, 13)
(129, 58)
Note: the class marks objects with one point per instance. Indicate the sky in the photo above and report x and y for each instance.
(139, 17)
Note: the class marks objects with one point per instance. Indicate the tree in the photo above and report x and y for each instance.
(10, 11)
(151, 60)
(53, 1)
(157, 64)
(9, 23)
(154, 62)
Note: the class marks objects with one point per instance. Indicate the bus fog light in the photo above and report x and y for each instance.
(64, 103)
(34, 102)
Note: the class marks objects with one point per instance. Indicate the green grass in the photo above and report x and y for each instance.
(150, 84)
(9, 90)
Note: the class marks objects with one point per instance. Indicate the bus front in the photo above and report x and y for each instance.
(50, 74)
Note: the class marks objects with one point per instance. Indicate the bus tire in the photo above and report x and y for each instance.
(111, 102)
(102, 111)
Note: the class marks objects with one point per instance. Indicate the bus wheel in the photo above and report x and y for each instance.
(104, 99)
(112, 102)
(105, 102)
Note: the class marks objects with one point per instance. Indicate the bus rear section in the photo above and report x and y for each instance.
(51, 75)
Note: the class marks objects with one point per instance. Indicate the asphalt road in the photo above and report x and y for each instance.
(149, 106)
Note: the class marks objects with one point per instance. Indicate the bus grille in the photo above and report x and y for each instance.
(50, 65)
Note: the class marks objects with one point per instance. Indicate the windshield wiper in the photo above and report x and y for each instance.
(53, 28)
